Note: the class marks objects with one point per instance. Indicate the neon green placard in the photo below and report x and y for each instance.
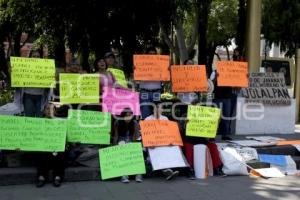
(79, 88)
(120, 160)
(32, 72)
(119, 75)
(203, 121)
(88, 127)
(32, 134)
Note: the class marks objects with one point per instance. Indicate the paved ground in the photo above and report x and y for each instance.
(214, 188)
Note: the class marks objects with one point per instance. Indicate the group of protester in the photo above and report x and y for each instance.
(35, 103)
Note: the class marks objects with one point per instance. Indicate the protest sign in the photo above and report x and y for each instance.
(203, 121)
(79, 88)
(32, 134)
(119, 75)
(88, 127)
(121, 160)
(151, 67)
(189, 78)
(267, 88)
(160, 133)
(273, 159)
(115, 100)
(232, 74)
(166, 157)
(32, 72)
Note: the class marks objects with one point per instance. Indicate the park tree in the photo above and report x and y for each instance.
(281, 24)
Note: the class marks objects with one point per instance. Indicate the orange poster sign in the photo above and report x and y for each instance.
(151, 67)
(160, 133)
(232, 74)
(189, 78)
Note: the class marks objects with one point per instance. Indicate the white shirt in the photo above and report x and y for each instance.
(150, 85)
(152, 117)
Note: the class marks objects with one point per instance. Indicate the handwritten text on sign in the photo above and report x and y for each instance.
(232, 74)
(121, 160)
(32, 134)
(267, 88)
(203, 121)
(160, 133)
(189, 78)
(79, 88)
(119, 75)
(116, 100)
(151, 67)
(32, 72)
(88, 127)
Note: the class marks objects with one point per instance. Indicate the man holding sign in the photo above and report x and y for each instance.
(229, 75)
(150, 71)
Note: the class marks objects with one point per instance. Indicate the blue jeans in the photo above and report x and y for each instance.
(32, 105)
(226, 113)
(146, 99)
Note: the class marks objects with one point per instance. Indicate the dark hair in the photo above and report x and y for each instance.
(151, 48)
(186, 61)
(97, 61)
(33, 51)
(122, 126)
(109, 54)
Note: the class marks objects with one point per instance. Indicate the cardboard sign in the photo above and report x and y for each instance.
(160, 133)
(79, 88)
(32, 72)
(273, 159)
(203, 121)
(167, 157)
(121, 160)
(115, 100)
(32, 134)
(119, 75)
(88, 127)
(151, 67)
(189, 78)
(232, 74)
(267, 88)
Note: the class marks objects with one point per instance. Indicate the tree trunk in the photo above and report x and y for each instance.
(203, 8)
(241, 27)
(59, 53)
(84, 54)
(227, 52)
(181, 41)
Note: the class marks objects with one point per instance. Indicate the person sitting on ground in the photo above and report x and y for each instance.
(157, 115)
(126, 130)
(47, 161)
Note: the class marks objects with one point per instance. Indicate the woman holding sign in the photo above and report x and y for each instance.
(126, 130)
(33, 100)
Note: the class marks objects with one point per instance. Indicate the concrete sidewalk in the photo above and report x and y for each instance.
(213, 188)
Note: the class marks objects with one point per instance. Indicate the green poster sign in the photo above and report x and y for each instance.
(32, 72)
(89, 127)
(120, 160)
(79, 88)
(203, 121)
(32, 134)
(119, 75)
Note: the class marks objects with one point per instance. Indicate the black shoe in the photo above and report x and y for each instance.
(219, 172)
(40, 182)
(57, 181)
(191, 174)
(226, 138)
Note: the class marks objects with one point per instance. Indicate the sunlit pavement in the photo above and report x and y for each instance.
(213, 188)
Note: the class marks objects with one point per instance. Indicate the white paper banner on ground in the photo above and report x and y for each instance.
(270, 172)
(233, 163)
(202, 162)
(265, 138)
(247, 153)
(290, 168)
(167, 157)
(297, 146)
(252, 143)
